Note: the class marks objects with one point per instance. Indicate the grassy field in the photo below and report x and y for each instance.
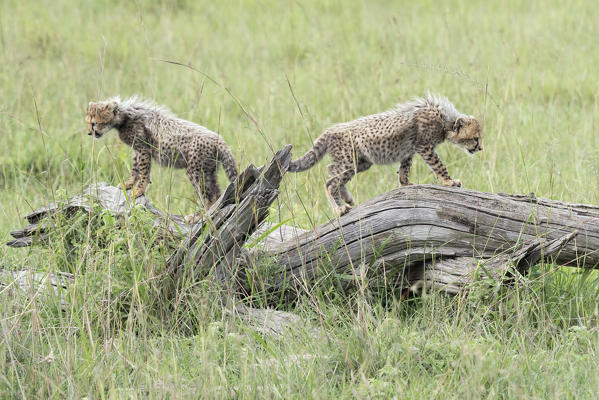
(265, 74)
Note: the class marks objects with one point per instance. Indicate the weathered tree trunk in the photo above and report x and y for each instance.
(439, 236)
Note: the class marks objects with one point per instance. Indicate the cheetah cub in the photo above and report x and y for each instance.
(389, 137)
(154, 132)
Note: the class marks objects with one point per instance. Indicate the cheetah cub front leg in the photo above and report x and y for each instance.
(143, 178)
(133, 176)
(434, 162)
(140, 174)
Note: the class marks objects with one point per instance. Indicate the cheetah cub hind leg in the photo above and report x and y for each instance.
(347, 197)
(214, 194)
(361, 166)
(336, 191)
(203, 179)
(338, 208)
(198, 215)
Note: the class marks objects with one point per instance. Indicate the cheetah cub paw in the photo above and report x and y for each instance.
(125, 186)
(452, 182)
(193, 218)
(139, 192)
(342, 210)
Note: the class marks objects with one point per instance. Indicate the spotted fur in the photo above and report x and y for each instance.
(154, 132)
(389, 137)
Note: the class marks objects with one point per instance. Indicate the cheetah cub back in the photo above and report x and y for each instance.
(389, 137)
(154, 132)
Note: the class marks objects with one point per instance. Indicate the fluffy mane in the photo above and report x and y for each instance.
(139, 103)
(446, 107)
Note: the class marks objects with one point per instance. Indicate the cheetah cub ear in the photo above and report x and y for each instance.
(115, 107)
(459, 123)
(111, 107)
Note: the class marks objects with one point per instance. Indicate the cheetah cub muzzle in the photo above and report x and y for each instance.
(155, 133)
(390, 137)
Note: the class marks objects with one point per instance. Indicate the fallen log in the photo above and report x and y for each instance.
(416, 237)
(453, 274)
(436, 235)
(32, 285)
(108, 197)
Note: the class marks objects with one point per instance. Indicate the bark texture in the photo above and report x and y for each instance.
(441, 236)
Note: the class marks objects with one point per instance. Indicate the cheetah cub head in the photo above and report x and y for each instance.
(467, 133)
(101, 117)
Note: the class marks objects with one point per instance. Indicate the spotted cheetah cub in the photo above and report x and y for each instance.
(154, 132)
(389, 137)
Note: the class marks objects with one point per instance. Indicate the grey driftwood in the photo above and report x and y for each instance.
(440, 236)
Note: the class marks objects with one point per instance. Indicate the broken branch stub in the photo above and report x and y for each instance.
(215, 242)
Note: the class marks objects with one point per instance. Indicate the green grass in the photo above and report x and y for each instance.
(273, 73)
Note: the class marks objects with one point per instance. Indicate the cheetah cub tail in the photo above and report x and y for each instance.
(311, 157)
(225, 157)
